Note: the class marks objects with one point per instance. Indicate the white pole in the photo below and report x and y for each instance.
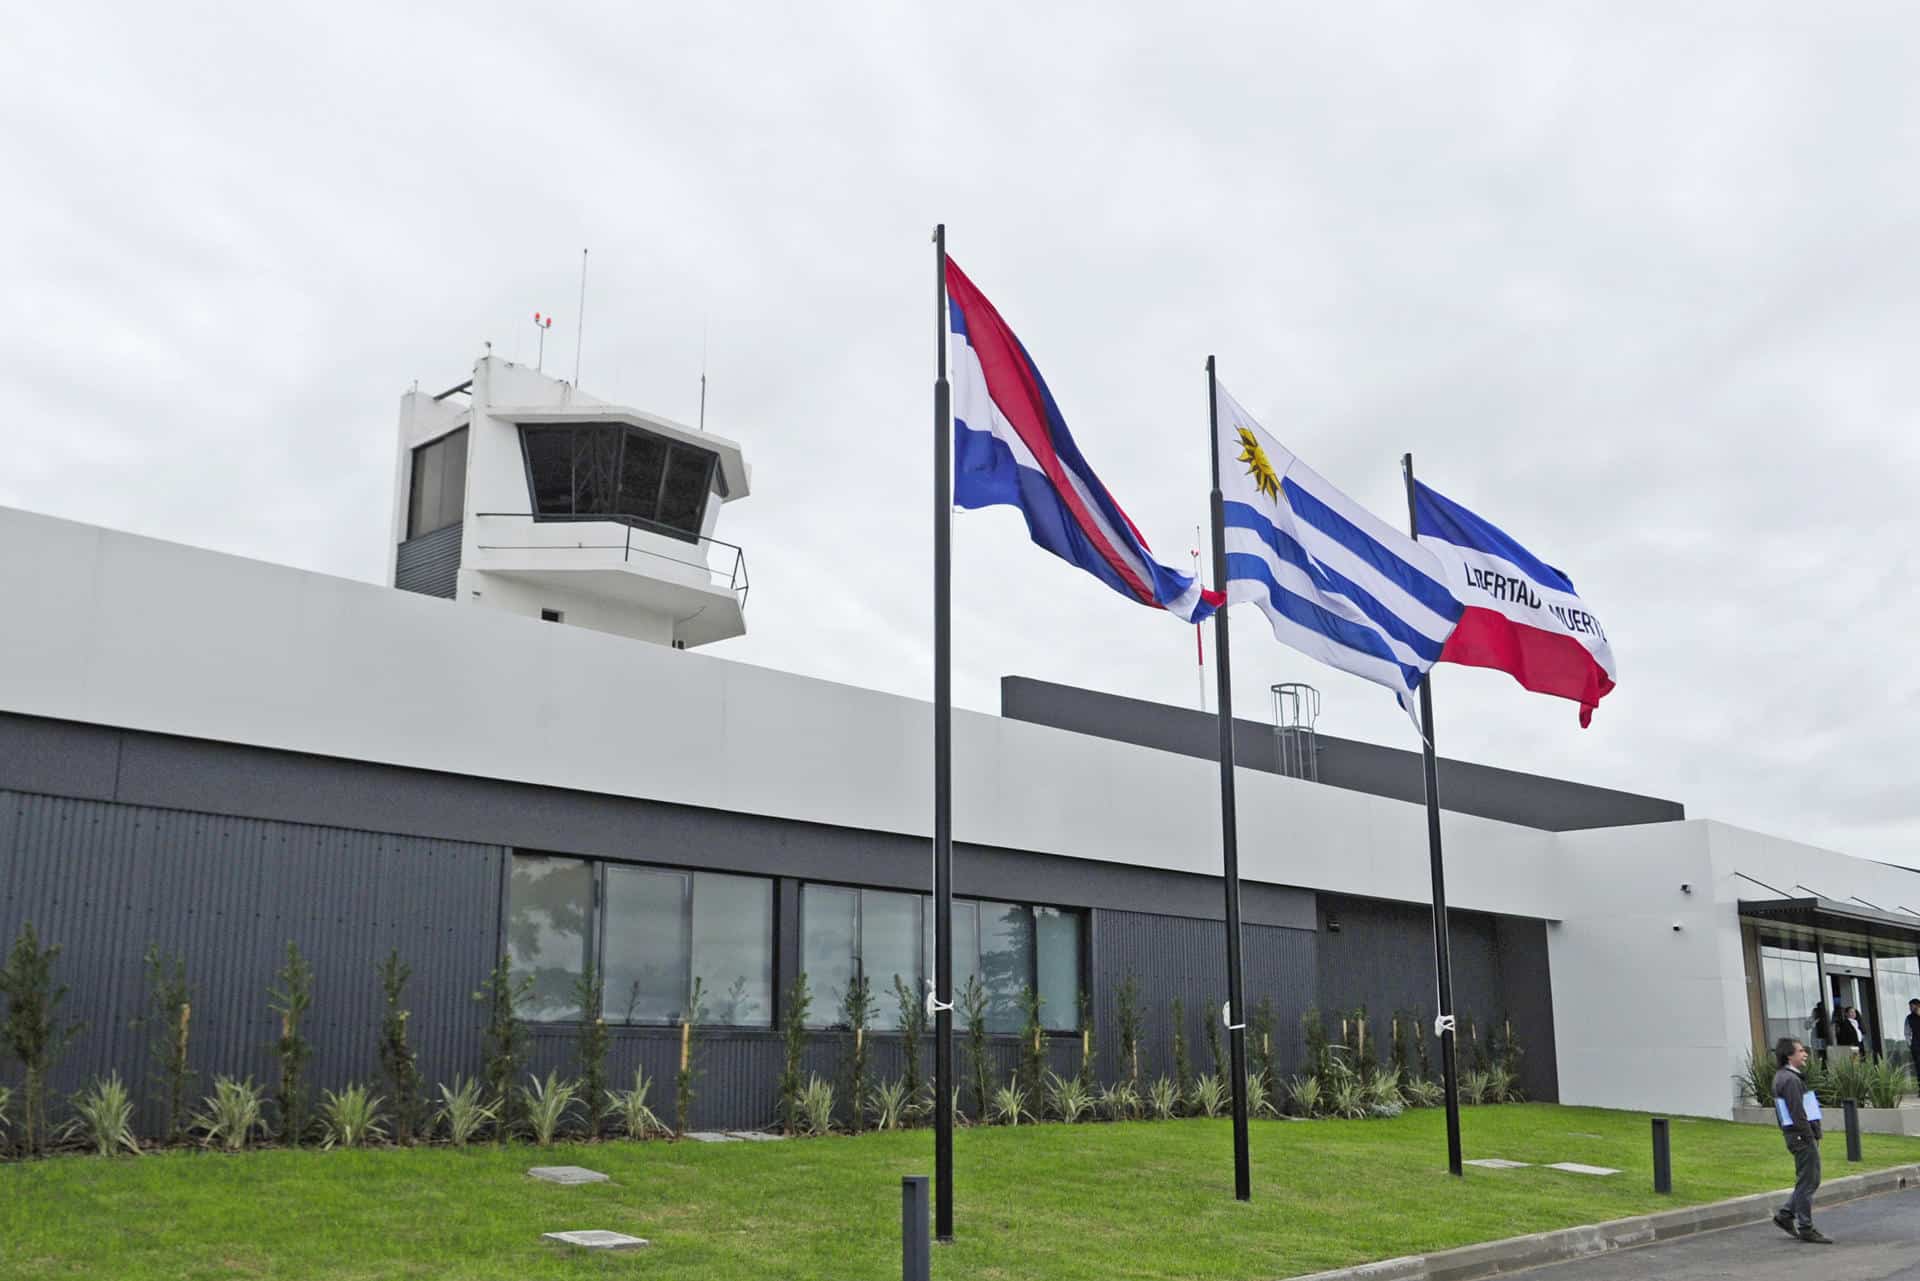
(1199, 645)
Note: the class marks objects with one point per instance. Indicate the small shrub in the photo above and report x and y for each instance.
(1510, 1054)
(1847, 1075)
(1259, 1102)
(504, 1042)
(1474, 1087)
(547, 1104)
(1313, 1031)
(1383, 1092)
(1214, 1054)
(398, 1063)
(103, 1117)
(1756, 1079)
(1363, 1045)
(1127, 1016)
(233, 1113)
(464, 1112)
(1424, 1094)
(1260, 1051)
(1887, 1083)
(637, 1120)
(33, 1032)
(1210, 1095)
(1399, 1055)
(166, 1023)
(793, 1030)
(1306, 1094)
(973, 1003)
(913, 1028)
(1033, 1038)
(1120, 1101)
(1182, 1067)
(1420, 1045)
(889, 1103)
(689, 1063)
(1010, 1104)
(856, 1011)
(1347, 1096)
(291, 1000)
(1068, 1097)
(816, 1105)
(1501, 1086)
(1086, 1040)
(1163, 1099)
(351, 1117)
(590, 1046)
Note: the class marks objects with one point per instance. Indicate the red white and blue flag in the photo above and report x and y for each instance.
(1522, 616)
(1011, 445)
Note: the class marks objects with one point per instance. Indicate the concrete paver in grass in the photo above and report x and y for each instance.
(1496, 1163)
(1574, 1167)
(566, 1175)
(595, 1239)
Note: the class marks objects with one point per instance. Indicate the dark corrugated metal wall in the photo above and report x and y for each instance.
(105, 881)
(429, 564)
(1382, 956)
(1180, 957)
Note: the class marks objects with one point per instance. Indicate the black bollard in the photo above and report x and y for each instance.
(916, 1253)
(1662, 1157)
(1852, 1110)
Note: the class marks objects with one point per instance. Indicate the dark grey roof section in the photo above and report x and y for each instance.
(1550, 804)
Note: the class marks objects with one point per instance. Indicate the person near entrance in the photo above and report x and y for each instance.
(1798, 1111)
(1847, 1029)
(1913, 1031)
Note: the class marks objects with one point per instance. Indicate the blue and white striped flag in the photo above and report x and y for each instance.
(1337, 583)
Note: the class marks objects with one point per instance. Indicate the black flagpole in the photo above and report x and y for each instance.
(1442, 952)
(1229, 832)
(942, 763)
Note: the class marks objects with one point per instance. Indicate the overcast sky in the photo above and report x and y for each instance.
(1637, 282)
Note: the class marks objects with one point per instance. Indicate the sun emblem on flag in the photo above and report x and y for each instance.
(1265, 479)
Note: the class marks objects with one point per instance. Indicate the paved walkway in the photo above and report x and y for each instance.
(1877, 1239)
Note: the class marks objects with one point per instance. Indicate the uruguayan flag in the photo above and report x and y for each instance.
(1335, 582)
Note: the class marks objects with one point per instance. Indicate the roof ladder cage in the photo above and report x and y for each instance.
(1295, 709)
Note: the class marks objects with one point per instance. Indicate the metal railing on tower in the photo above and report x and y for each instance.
(1295, 709)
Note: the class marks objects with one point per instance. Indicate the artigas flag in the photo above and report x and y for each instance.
(1336, 582)
(1011, 445)
(1522, 616)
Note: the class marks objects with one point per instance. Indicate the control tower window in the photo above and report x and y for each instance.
(437, 494)
(611, 472)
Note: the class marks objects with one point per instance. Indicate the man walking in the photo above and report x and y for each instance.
(1798, 1111)
(1913, 1032)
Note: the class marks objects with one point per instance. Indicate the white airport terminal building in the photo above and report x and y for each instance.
(519, 744)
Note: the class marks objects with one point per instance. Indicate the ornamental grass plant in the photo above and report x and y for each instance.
(464, 1111)
(351, 1118)
(233, 1114)
(103, 1117)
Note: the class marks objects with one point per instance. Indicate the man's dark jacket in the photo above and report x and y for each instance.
(1791, 1088)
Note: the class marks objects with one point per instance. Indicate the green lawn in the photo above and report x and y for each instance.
(1148, 1199)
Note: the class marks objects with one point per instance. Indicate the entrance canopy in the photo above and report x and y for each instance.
(1834, 916)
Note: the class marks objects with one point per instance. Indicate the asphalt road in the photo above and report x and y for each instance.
(1875, 1239)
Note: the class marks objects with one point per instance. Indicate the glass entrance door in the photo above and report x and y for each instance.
(1853, 1009)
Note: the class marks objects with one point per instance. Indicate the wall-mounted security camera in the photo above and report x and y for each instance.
(1677, 927)
(1333, 924)
(1686, 887)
